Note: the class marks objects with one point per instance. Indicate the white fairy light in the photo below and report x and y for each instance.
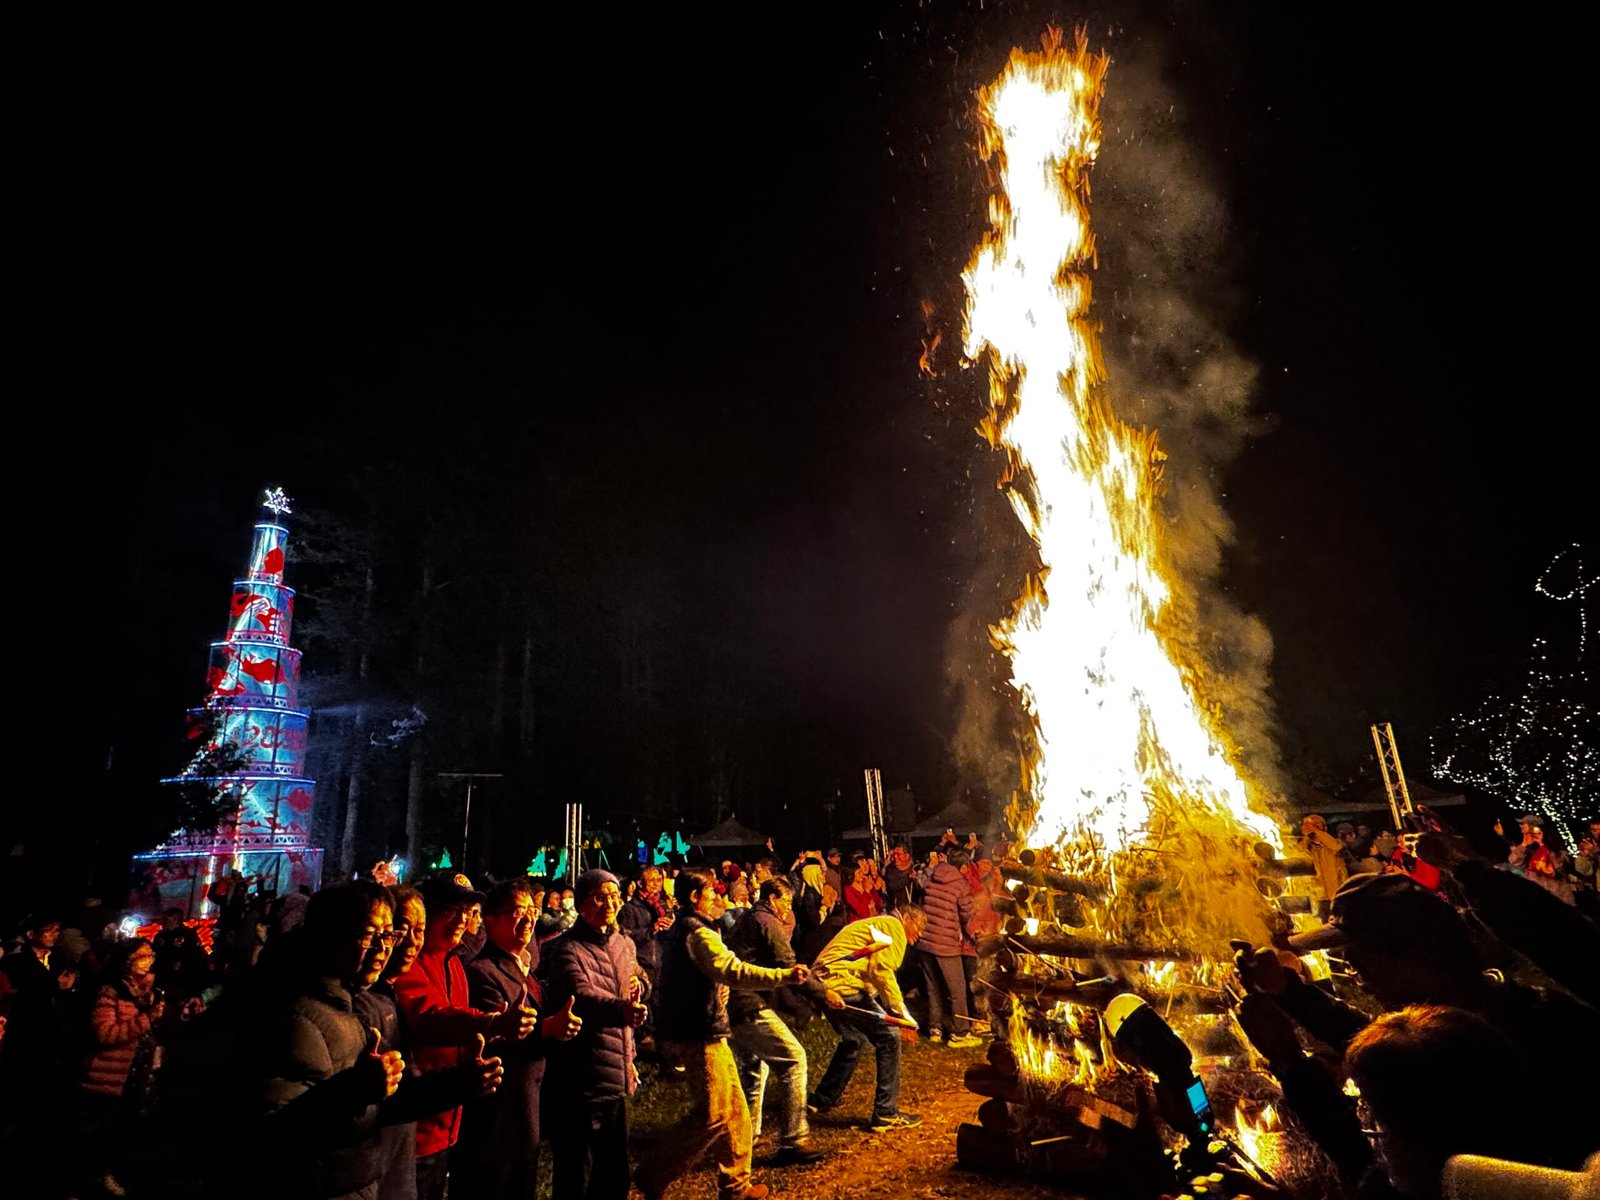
(1536, 749)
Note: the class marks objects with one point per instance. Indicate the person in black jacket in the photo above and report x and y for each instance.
(901, 883)
(35, 1058)
(590, 1078)
(499, 1148)
(314, 1074)
(420, 1093)
(697, 971)
(646, 918)
(182, 964)
(762, 1042)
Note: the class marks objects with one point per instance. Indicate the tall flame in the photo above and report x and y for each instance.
(1120, 730)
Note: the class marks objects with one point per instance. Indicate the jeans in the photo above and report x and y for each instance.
(589, 1143)
(977, 997)
(944, 976)
(857, 1031)
(719, 1122)
(432, 1172)
(766, 1045)
(397, 1156)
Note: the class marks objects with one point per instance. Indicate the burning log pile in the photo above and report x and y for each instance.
(1058, 1106)
(1130, 788)
(1059, 1103)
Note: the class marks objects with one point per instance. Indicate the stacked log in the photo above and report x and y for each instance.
(1064, 1135)
(1060, 944)
(1031, 878)
(983, 1080)
(1098, 993)
(1282, 867)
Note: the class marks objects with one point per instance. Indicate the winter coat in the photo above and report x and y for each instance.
(182, 965)
(595, 968)
(442, 1028)
(1327, 857)
(697, 972)
(420, 1094)
(862, 903)
(852, 961)
(807, 909)
(948, 904)
(901, 887)
(638, 920)
(984, 920)
(119, 1020)
(315, 1106)
(500, 1133)
(762, 939)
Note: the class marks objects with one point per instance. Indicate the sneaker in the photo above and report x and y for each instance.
(935, 1034)
(899, 1120)
(963, 1041)
(795, 1156)
(816, 1109)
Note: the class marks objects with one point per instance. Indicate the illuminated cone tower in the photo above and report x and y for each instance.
(251, 709)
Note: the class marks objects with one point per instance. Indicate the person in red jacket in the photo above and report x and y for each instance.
(442, 1026)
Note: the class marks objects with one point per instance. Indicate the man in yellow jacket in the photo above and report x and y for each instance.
(1326, 854)
(858, 967)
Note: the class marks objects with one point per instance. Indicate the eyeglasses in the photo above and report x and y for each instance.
(389, 937)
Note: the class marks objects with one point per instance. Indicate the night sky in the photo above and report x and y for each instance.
(651, 290)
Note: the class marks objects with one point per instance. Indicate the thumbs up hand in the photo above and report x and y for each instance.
(513, 1023)
(486, 1072)
(563, 1025)
(382, 1069)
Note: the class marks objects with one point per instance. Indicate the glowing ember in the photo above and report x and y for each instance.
(1261, 1137)
(1052, 1060)
(1125, 747)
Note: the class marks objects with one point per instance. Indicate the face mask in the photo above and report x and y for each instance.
(568, 903)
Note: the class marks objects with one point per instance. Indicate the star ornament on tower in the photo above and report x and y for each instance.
(277, 501)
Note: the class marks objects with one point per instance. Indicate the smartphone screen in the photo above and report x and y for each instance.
(1200, 1104)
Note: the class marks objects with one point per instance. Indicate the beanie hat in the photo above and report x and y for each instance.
(590, 882)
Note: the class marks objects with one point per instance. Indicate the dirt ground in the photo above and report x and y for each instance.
(918, 1162)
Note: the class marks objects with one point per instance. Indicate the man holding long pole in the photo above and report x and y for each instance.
(697, 970)
(762, 1043)
(859, 966)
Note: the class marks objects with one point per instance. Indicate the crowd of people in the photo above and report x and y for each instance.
(398, 1041)
(1460, 981)
(1354, 849)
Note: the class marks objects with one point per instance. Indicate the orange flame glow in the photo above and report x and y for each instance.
(1261, 1137)
(1045, 1062)
(1121, 732)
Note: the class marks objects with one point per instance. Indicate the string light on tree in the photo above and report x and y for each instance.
(1537, 749)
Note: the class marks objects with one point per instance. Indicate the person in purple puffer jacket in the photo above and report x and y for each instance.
(947, 900)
